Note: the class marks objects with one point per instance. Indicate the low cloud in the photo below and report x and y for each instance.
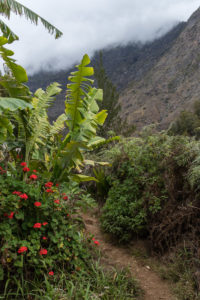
(90, 25)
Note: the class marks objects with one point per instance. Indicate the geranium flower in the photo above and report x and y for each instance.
(44, 223)
(33, 177)
(65, 198)
(23, 164)
(49, 191)
(57, 184)
(16, 193)
(26, 169)
(43, 252)
(44, 238)
(37, 225)
(22, 249)
(11, 215)
(57, 201)
(51, 273)
(96, 242)
(23, 196)
(34, 171)
(37, 204)
(48, 184)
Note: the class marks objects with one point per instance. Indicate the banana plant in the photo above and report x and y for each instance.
(15, 96)
(83, 119)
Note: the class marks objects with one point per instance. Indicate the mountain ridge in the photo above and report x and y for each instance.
(171, 85)
(122, 64)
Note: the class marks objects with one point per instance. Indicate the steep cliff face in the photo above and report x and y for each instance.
(171, 85)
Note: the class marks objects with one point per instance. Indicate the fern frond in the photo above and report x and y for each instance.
(58, 125)
(8, 6)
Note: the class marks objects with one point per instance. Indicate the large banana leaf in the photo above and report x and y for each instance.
(13, 104)
(83, 119)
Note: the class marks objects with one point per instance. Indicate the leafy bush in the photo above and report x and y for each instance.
(38, 232)
(150, 189)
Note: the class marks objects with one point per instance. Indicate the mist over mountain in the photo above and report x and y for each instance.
(122, 64)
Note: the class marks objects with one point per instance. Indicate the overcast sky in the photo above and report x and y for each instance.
(89, 25)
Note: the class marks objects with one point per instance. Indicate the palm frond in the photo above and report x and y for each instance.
(8, 33)
(8, 6)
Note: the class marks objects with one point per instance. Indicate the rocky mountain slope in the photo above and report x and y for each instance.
(171, 85)
(123, 64)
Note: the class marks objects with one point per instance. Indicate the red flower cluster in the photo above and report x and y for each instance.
(26, 169)
(23, 164)
(34, 171)
(44, 238)
(51, 273)
(22, 249)
(33, 177)
(17, 193)
(57, 201)
(48, 184)
(2, 171)
(37, 204)
(95, 242)
(10, 216)
(23, 196)
(38, 225)
(49, 191)
(43, 252)
(65, 198)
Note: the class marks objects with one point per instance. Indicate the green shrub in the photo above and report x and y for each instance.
(151, 187)
(38, 232)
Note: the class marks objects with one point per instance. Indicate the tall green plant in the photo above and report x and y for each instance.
(83, 120)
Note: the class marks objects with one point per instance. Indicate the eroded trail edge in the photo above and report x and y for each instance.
(154, 288)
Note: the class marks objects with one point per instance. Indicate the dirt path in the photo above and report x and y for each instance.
(154, 288)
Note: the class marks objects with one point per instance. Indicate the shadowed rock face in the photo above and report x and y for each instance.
(171, 85)
(123, 64)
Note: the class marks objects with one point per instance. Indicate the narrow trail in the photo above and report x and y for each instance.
(154, 288)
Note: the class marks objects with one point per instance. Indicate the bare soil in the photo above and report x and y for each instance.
(120, 257)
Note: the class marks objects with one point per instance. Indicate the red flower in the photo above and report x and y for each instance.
(37, 225)
(49, 191)
(57, 184)
(96, 242)
(48, 184)
(11, 215)
(37, 204)
(44, 223)
(57, 201)
(43, 252)
(22, 249)
(23, 164)
(65, 198)
(34, 171)
(16, 193)
(51, 273)
(44, 238)
(26, 169)
(33, 176)
(23, 196)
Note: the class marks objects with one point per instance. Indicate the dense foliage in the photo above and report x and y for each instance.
(187, 123)
(154, 190)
